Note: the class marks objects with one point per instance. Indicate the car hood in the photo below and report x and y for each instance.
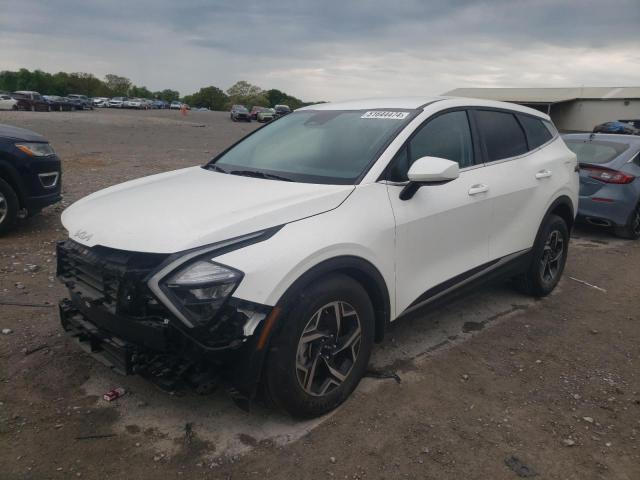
(192, 207)
(15, 133)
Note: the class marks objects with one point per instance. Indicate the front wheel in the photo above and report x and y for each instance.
(8, 207)
(319, 356)
(549, 256)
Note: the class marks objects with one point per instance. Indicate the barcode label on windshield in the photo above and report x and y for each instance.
(385, 114)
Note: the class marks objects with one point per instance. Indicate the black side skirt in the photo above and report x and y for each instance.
(500, 268)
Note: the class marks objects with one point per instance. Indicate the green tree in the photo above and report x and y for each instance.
(8, 81)
(83, 84)
(167, 95)
(277, 97)
(141, 92)
(210, 97)
(243, 89)
(118, 85)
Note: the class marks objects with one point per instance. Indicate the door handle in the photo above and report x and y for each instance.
(543, 174)
(478, 188)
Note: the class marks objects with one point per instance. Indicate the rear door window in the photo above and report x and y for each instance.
(537, 133)
(501, 135)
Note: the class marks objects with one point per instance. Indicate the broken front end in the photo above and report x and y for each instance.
(170, 318)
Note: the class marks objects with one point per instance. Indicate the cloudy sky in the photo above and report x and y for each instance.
(329, 49)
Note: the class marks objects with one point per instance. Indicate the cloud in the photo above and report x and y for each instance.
(330, 49)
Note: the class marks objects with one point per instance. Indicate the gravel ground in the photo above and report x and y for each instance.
(494, 385)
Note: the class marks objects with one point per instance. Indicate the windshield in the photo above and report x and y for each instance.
(596, 151)
(332, 147)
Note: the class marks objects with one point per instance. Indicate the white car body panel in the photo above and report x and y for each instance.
(192, 207)
(7, 103)
(441, 232)
(363, 226)
(521, 199)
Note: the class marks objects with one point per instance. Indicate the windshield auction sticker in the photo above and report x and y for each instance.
(385, 114)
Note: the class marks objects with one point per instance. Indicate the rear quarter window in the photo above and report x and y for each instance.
(537, 133)
(501, 134)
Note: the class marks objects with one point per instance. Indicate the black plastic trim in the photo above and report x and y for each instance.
(357, 267)
(501, 267)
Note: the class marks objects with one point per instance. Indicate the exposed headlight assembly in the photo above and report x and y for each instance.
(200, 288)
(194, 287)
(35, 149)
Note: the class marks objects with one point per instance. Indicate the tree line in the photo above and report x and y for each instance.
(63, 83)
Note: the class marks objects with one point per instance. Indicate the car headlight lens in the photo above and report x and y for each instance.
(199, 289)
(36, 149)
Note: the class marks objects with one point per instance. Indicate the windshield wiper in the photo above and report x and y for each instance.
(215, 168)
(256, 174)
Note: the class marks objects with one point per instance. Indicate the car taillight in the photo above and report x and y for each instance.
(608, 175)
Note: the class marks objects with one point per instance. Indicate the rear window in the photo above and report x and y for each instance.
(537, 133)
(595, 152)
(501, 134)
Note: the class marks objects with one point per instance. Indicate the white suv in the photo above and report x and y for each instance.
(276, 266)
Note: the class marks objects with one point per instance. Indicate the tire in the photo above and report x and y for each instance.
(549, 256)
(14, 108)
(631, 230)
(310, 392)
(8, 207)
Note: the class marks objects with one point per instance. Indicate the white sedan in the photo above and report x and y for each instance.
(8, 103)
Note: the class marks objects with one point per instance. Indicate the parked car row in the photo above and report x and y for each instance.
(134, 103)
(260, 114)
(34, 101)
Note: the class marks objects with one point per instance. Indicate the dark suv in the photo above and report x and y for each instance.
(30, 175)
(240, 112)
(33, 101)
(282, 110)
(81, 102)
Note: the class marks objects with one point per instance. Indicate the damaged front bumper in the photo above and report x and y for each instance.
(167, 357)
(115, 318)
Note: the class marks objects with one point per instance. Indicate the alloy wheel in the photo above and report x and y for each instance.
(4, 208)
(328, 348)
(552, 256)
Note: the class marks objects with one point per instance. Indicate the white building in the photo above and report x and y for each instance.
(571, 109)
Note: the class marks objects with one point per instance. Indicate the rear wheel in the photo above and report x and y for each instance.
(318, 358)
(549, 256)
(632, 229)
(8, 207)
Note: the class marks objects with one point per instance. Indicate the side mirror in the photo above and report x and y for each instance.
(429, 171)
